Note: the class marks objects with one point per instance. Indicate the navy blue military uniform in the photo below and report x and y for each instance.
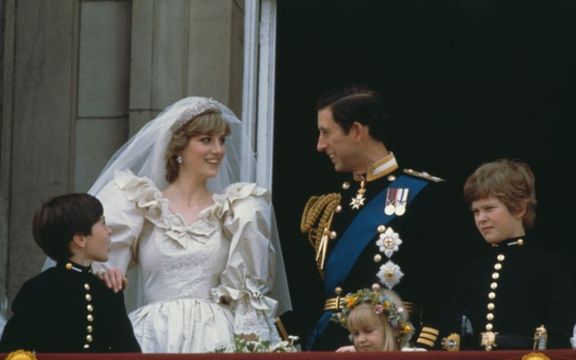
(68, 309)
(420, 255)
(508, 293)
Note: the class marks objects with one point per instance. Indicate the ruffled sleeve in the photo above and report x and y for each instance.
(249, 272)
(125, 201)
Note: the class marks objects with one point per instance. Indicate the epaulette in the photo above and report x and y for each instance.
(423, 175)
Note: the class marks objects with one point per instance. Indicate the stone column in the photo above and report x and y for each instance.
(79, 77)
(184, 48)
(40, 100)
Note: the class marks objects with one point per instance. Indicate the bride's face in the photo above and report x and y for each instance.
(203, 154)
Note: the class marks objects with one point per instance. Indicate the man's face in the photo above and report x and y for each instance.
(334, 142)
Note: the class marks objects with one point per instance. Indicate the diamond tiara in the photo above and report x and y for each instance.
(198, 108)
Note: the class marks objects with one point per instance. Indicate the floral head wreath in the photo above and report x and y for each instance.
(381, 304)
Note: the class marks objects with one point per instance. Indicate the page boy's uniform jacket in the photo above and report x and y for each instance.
(68, 309)
(511, 294)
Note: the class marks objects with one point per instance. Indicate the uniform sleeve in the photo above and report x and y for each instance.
(247, 278)
(125, 219)
(440, 256)
(453, 316)
(124, 339)
(21, 329)
(560, 310)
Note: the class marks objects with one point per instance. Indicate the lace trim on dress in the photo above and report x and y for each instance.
(148, 198)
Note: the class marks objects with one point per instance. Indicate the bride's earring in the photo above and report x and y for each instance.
(179, 159)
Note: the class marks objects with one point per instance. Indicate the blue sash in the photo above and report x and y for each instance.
(357, 236)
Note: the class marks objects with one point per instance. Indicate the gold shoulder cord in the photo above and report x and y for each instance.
(319, 210)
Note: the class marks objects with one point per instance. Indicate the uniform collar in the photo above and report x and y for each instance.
(512, 242)
(380, 168)
(72, 266)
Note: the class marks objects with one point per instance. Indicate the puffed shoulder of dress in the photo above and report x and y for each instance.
(129, 200)
(147, 196)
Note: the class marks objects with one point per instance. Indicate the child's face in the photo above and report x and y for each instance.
(369, 337)
(97, 242)
(495, 222)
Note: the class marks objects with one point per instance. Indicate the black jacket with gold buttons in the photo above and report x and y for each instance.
(510, 292)
(68, 309)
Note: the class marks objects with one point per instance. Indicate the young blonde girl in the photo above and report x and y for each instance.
(376, 320)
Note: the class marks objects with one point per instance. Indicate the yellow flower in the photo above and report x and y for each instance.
(351, 301)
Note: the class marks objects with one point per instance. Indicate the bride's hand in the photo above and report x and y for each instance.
(114, 279)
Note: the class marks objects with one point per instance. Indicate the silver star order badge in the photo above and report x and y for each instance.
(357, 201)
(389, 242)
(390, 274)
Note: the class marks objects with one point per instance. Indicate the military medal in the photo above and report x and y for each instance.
(359, 199)
(390, 208)
(401, 198)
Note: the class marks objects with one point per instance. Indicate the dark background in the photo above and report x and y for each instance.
(467, 82)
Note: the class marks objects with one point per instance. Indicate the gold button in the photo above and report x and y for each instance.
(68, 266)
(345, 185)
(338, 290)
(87, 287)
(391, 177)
(90, 318)
(491, 306)
(498, 266)
(492, 295)
(490, 317)
(338, 208)
(520, 242)
(381, 228)
(377, 258)
(375, 287)
(89, 338)
(489, 327)
(501, 257)
(494, 285)
(333, 235)
(495, 276)
(90, 308)
(86, 346)
(89, 328)
(88, 297)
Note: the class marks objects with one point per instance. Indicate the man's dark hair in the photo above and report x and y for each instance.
(360, 104)
(62, 217)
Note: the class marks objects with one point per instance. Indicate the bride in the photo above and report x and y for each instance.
(204, 245)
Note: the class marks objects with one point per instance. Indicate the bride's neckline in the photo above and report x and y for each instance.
(209, 201)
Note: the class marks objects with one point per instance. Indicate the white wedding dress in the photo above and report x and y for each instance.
(202, 282)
